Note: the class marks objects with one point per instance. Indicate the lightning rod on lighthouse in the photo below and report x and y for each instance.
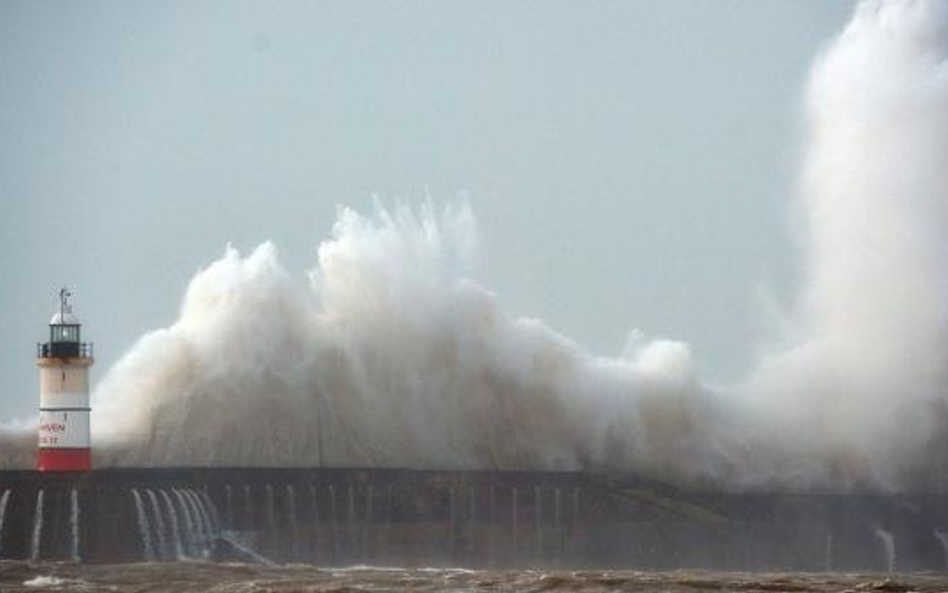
(64, 361)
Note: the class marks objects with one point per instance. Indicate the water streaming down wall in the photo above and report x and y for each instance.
(316, 524)
(200, 531)
(173, 521)
(4, 499)
(74, 525)
(292, 521)
(144, 530)
(159, 524)
(213, 514)
(942, 538)
(248, 505)
(272, 535)
(187, 523)
(161, 535)
(208, 531)
(36, 541)
(888, 546)
(229, 499)
(829, 551)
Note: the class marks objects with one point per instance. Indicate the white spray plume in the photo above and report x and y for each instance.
(394, 357)
(860, 396)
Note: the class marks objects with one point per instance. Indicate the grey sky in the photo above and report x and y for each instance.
(629, 163)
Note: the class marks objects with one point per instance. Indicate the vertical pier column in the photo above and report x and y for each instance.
(368, 527)
(333, 526)
(493, 540)
(351, 518)
(538, 524)
(557, 526)
(513, 525)
(471, 547)
(452, 525)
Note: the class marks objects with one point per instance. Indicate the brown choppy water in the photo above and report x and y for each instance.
(201, 576)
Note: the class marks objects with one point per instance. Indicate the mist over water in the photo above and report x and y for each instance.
(393, 356)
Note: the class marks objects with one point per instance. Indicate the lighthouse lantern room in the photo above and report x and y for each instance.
(64, 361)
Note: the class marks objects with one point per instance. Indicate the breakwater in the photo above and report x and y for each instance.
(340, 517)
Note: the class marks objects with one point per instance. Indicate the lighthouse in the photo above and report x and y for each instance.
(64, 361)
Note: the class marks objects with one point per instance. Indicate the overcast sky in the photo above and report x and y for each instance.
(630, 163)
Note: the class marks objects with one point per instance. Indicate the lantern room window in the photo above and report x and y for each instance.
(64, 333)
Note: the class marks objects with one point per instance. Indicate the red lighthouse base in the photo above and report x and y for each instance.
(64, 460)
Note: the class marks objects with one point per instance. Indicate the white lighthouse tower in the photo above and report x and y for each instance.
(64, 361)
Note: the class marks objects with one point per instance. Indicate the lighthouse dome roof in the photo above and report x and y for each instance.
(64, 318)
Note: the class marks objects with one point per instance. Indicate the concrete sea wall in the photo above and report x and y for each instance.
(339, 517)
